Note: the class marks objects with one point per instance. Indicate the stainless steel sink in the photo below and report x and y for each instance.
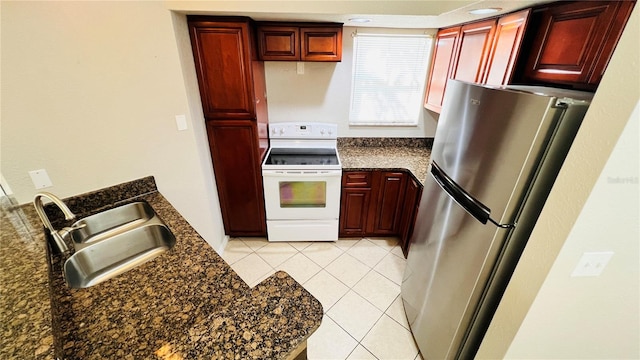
(118, 253)
(106, 244)
(109, 223)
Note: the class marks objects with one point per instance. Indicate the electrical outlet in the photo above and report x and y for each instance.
(300, 68)
(40, 179)
(592, 263)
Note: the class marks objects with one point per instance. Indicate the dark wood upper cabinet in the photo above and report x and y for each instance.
(222, 55)
(566, 44)
(299, 41)
(278, 43)
(474, 45)
(321, 43)
(479, 52)
(505, 48)
(441, 66)
(574, 42)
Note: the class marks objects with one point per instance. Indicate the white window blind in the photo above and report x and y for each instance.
(389, 73)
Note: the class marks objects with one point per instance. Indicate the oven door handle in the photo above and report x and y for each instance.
(302, 173)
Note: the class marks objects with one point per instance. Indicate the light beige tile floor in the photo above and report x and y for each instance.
(356, 280)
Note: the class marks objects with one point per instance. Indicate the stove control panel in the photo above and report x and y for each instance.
(310, 130)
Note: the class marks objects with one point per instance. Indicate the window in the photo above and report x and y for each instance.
(389, 73)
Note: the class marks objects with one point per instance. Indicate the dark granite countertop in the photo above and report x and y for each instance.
(186, 303)
(386, 154)
(25, 309)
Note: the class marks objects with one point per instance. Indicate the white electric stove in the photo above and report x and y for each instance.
(302, 175)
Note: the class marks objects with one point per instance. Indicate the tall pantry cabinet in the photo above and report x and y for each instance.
(233, 94)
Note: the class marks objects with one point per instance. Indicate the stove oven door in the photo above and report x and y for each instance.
(302, 194)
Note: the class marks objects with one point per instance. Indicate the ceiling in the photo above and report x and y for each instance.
(423, 14)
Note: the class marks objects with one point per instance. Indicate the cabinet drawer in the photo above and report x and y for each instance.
(359, 179)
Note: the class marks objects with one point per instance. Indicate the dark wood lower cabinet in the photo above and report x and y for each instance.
(354, 209)
(389, 192)
(410, 208)
(379, 203)
(236, 163)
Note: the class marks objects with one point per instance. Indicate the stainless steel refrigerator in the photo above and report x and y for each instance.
(496, 153)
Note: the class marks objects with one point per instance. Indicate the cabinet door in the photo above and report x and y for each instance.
(385, 219)
(441, 65)
(236, 162)
(278, 43)
(355, 202)
(223, 63)
(409, 210)
(570, 40)
(617, 26)
(354, 210)
(473, 51)
(505, 48)
(321, 43)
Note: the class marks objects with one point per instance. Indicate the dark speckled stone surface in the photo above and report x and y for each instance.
(386, 154)
(185, 304)
(25, 309)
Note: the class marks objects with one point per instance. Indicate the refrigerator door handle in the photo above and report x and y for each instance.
(471, 205)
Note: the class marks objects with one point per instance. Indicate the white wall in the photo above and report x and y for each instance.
(90, 91)
(545, 313)
(323, 93)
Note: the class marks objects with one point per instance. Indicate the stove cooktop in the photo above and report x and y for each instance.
(302, 156)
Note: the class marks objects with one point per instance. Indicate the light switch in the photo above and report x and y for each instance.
(181, 122)
(40, 179)
(300, 68)
(592, 263)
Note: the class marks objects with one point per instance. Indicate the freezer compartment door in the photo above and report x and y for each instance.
(490, 142)
(447, 269)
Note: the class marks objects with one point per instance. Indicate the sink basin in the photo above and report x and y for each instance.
(108, 223)
(118, 253)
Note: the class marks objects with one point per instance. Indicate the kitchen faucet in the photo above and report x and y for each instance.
(57, 237)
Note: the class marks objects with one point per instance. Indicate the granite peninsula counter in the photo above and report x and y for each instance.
(186, 304)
